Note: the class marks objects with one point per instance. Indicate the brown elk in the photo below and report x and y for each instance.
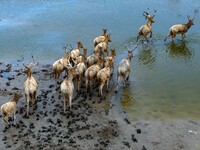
(180, 29)
(9, 108)
(30, 86)
(100, 38)
(147, 28)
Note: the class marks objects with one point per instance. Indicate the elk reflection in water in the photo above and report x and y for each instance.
(180, 50)
(147, 55)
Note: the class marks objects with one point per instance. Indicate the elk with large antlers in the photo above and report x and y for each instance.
(9, 108)
(147, 28)
(30, 87)
(100, 38)
(180, 29)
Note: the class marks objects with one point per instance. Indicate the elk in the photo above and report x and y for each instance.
(104, 75)
(91, 73)
(67, 86)
(103, 46)
(9, 108)
(180, 29)
(111, 57)
(76, 52)
(82, 56)
(30, 86)
(147, 28)
(100, 38)
(92, 59)
(80, 70)
(124, 69)
(59, 65)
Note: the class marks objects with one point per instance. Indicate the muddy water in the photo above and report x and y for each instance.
(165, 77)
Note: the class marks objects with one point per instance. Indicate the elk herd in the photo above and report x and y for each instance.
(80, 68)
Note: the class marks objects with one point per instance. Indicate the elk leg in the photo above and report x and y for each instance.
(150, 34)
(118, 79)
(70, 102)
(108, 84)
(167, 36)
(86, 85)
(64, 103)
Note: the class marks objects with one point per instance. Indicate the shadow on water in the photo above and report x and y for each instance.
(127, 99)
(147, 55)
(180, 50)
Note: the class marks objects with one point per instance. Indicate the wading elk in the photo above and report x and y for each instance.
(111, 57)
(180, 29)
(67, 86)
(100, 38)
(124, 69)
(30, 87)
(147, 28)
(9, 108)
(104, 75)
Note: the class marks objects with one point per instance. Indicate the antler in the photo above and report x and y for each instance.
(154, 13)
(65, 48)
(33, 63)
(133, 48)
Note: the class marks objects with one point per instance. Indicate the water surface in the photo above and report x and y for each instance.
(165, 76)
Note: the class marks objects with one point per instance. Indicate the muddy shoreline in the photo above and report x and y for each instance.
(94, 122)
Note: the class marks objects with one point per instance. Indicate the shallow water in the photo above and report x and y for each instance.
(165, 77)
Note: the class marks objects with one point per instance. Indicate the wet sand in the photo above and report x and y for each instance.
(94, 122)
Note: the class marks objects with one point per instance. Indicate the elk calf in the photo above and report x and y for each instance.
(147, 28)
(9, 108)
(124, 69)
(180, 29)
(67, 86)
(100, 38)
(30, 87)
